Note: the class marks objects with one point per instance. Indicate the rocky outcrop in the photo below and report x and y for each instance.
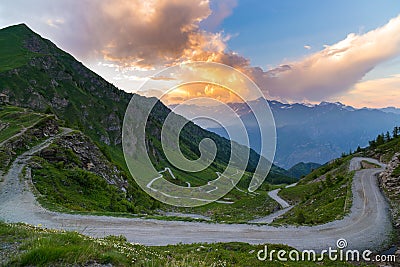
(22, 142)
(85, 155)
(390, 179)
(390, 182)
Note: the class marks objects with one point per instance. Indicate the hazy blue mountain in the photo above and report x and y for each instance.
(391, 110)
(302, 169)
(310, 133)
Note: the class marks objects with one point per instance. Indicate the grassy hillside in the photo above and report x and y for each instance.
(323, 195)
(47, 79)
(301, 169)
(386, 148)
(15, 119)
(21, 129)
(74, 175)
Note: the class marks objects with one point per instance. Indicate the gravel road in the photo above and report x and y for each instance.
(285, 207)
(367, 226)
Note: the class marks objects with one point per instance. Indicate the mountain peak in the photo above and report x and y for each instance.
(19, 29)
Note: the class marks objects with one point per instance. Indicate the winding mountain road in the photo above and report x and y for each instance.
(285, 207)
(367, 226)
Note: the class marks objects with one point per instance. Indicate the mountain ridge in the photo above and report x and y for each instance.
(46, 79)
(309, 133)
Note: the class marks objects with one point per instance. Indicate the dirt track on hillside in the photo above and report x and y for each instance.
(367, 226)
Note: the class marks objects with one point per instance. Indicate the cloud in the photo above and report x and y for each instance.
(333, 70)
(307, 47)
(137, 35)
(375, 93)
(321, 75)
(131, 33)
(221, 10)
(152, 33)
(55, 22)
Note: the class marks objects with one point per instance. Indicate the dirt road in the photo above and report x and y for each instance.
(367, 226)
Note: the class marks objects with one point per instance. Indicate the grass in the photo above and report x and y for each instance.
(16, 55)
(41, 247)
(365, 164)
(25, 245)
(78, 189)
(16, 119)
(318, 201)
(396, 172)
(300, 192)
(245, 207)
(74, 189)
(64, 186)
(384, 152)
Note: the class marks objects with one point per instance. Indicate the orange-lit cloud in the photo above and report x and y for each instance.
(373, 93)
(146, 34)
(187, 92)
(333, 70)
(152, 34)
(319, 76)
(131, 33)
(200, 80)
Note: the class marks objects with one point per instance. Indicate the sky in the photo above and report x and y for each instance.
(295, 51)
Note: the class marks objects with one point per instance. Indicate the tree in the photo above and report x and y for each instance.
(396, 132)
(380, 140)
(372, 144)
(387, 137)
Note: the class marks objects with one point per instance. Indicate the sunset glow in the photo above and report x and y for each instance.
(335, 64)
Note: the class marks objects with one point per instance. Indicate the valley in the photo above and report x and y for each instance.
(369, 212)
(63, 174)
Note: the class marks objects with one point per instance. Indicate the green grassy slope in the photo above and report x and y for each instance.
(64, 182)
(21, 129)
(302, 169)
(11, 40)
(48, 79)
(322, 196)
(15, 119)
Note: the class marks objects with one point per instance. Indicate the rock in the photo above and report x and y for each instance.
(89, 155)
(391, 184)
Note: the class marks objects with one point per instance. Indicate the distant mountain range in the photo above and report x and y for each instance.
(308, 133)
(35, 73)
(301, 169)
(391, 110)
